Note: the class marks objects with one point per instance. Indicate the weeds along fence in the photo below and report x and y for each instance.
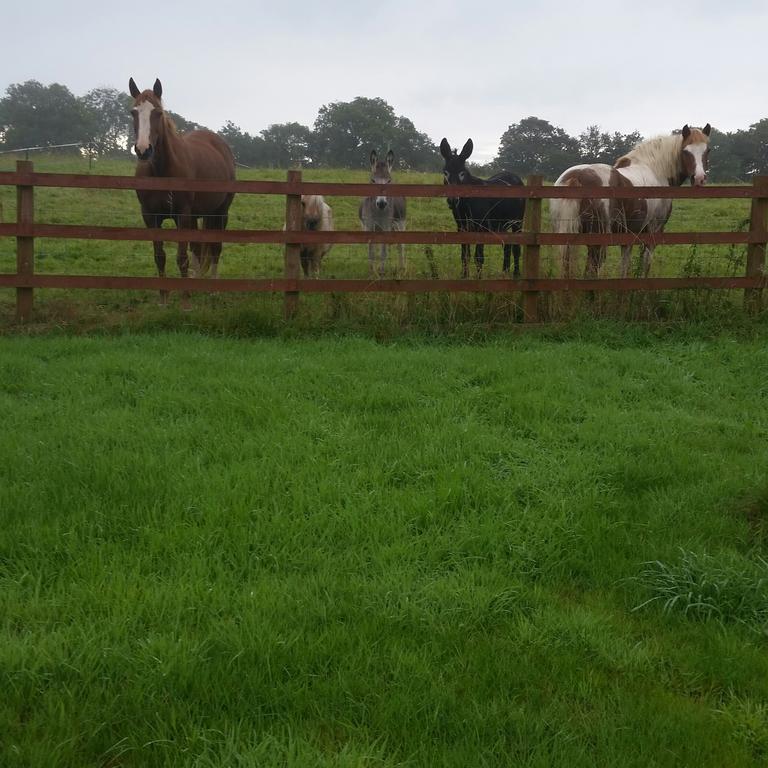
(532, 237)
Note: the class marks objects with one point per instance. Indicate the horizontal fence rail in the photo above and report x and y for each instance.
(26, 230)
(84, 181)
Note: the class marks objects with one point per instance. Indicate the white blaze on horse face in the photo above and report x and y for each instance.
(143, 112)
(698, 150)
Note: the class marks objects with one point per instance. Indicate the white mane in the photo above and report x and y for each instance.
(660, 153)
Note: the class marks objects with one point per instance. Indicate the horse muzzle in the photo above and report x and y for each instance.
(146, 154)
(381, 203)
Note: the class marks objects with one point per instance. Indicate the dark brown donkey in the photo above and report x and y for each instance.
(200, 155)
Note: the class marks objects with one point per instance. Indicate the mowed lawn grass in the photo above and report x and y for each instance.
(530, 552)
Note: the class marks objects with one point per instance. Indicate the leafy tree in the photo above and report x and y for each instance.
(247, 149)
(416, 150)
(286, 144)
(33, 114)
(346, 132)
(110, 129)
(751, 149)
(536, 146)
(182, 124)
(596, 146)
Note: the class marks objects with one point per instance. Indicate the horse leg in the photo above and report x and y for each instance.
(184, 221)
(153, 221)
(219, 222)
(371, 261)
(157, 245)
(565, 261)
(402, 265)
(516, 252)
(465, 260)
(479, 259)
(647, 256)
(595, 258)
(383, 261)
(626, 254)
(304, 257)
(507, 254)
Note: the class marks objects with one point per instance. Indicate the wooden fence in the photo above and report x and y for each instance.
(25, 230)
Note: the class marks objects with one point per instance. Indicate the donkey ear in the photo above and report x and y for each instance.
(390, 159)
(686, 131)
(466, 150)
(707, 129)
(445, 148)
(133, 88)
(157, 89)
(374, 158)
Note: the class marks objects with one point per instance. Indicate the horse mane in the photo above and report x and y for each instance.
(661, 153)
(168, 124)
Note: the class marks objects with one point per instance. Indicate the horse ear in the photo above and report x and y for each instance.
(707, 129)
(445, 148)
(466, 150)
(390, 159)
(686, 131)
(374, 157)
(133, 88)
(157, 89)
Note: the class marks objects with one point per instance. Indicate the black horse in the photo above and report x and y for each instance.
(482, 214)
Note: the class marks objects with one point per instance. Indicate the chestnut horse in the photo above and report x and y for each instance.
(663, 161)
(200, 155)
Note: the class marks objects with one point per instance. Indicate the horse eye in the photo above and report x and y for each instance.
(462, 175)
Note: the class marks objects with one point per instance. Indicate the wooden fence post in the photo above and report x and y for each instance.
(25, 246)
(532, 225)
(756, 251)
(293, 223)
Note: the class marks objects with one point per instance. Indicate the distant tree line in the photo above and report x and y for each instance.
(33, 114)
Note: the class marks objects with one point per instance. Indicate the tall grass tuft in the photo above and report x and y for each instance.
(702, 587)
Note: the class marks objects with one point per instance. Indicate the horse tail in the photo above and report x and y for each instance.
(205, 259)
(564, 214)
(202, 253)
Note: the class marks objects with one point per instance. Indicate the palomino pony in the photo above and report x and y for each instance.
(659, 162)
(200, 155)
(382, 213)
(482, 214)
(317, 216)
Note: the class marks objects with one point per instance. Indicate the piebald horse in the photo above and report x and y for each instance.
(200, 155)
(658, 162)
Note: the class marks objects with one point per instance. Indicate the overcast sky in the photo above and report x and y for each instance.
(456, 69)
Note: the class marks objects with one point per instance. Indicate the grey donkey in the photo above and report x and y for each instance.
(382, 213)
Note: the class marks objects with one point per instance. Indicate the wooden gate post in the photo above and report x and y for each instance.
(25, 246)
(756, 251)
(532, 225)
(293, 223)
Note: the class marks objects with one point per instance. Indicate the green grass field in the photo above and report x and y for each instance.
(387, 533)
(535, 551)
(116, 208)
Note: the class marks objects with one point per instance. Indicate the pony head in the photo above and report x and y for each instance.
(695, 154)
(147, 113)
(312, 211)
